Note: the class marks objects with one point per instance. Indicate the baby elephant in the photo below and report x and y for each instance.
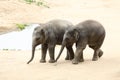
(90, 33)
(48, 35)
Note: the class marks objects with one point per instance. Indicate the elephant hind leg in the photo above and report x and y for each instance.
(100, 53)
(95, 56)
(97, 52)
(98, 44)
(96, 47)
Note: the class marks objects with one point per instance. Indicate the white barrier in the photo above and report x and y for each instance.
(18, 40)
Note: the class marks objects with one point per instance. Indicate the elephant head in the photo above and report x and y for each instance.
(70, 37)
(38, 37)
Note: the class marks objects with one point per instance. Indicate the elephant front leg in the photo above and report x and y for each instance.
(81, 59)
(43, 53)
(78, 53)
(70, 53)
(67, 56)
(51, 53)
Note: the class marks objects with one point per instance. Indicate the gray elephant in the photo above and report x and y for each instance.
(49, 35)
(90, 33)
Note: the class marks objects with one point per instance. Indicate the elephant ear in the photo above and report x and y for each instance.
(44, 33)
(76, 34)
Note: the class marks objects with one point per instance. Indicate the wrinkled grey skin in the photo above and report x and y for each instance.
(89, 33)
(49, 35)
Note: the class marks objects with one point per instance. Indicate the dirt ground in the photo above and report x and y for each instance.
(13, 63)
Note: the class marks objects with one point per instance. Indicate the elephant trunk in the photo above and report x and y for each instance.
(62, 48)
(33, 52)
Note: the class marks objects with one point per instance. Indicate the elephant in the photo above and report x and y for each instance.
(49, 35)
(89, 32)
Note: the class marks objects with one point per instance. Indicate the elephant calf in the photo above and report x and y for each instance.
(90, 33)
(48, 35)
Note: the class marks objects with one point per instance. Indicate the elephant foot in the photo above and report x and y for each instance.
(100, 54)
(52, 61)
(67, 58)
(71, 58)
(95, 59)
(74, 61)
(81, 60)
(42, 61)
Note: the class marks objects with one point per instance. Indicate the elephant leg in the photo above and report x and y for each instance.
(96, 55)
(43, 53)
(97, 51)
(81, 59)
(70, 52)
(51, 53)
(67, 55)
(78, 53)
(80, 46)
(100, 53)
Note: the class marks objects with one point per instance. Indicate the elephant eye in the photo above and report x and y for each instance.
(67, 39)
(37, 39)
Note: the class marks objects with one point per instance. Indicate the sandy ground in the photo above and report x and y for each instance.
(13, 63)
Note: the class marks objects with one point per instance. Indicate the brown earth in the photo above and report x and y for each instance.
(13, 63)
